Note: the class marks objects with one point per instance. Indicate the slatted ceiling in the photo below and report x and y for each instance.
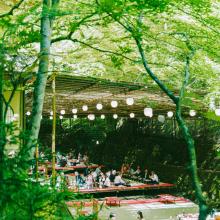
(77, 91)
(101, 83)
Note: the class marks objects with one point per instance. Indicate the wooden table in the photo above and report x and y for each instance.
(112, 201)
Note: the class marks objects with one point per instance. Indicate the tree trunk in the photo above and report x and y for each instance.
(181, 123)
(203, 210)
(41, 80)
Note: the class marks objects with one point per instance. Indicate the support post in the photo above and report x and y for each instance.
(2, 128)
(37, 162)
(54, 134)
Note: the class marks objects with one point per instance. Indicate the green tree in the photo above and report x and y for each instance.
(132, 17)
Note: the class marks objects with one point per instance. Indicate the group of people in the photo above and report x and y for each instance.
(97, 178)
(69, 160)
(139, 174)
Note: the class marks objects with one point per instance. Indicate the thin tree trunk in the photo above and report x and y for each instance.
(193, 165)
(190, 142)
(41, 80)
(186, 133)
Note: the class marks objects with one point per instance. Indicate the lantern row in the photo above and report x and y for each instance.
(148, 112)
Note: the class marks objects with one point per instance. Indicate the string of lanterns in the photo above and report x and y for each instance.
(148, 112)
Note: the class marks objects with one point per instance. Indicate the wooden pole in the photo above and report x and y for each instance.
(2, 129)
(54, 134)
(37, 157)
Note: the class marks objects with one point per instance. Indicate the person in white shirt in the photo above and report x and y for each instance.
(101, 180)
(94, 176)
(107, 182)
(89, 181)
(137, 172)
(118, 180)
(154, 178)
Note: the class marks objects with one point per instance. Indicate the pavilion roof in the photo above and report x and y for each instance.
(74, 92)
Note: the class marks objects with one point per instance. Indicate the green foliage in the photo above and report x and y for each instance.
(128, 138)
(210, 184)
(80, 135)
(22, 197)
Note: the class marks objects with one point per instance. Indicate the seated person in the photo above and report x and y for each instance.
(154, 178)
(73, 162)
(86, 159)
(145, 176)
(79, 157)
(131, 172)
(107, 182)
(63, 161)
(98, 170)
(71, 181)
(89, 181)
(112, 176)
(137, 172)
(118, 180)
(80, 179)
(101, 180)
(94, 176)
(124, 169)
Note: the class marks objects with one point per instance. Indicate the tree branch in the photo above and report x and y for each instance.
(16, 6)
(103, 50)
(152, 75)
(187, 75)
(137, 39)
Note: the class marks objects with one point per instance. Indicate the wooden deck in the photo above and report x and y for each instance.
(139, 187)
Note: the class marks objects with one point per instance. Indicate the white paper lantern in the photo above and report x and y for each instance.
(114, 104)
(51, 113)
(170, 114)
(91, 117)
(148, 112)
(130, 101)
(62, 112)
(99, 106)
(192, 113)
(28, 113)
(74, 110)
(161, 118)
(51, 117)
(102, 116)
(132, 115)
(115, 116)
(61, 117)
(97, 142)
(75, 116)
(85, 108)
(217, 112)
